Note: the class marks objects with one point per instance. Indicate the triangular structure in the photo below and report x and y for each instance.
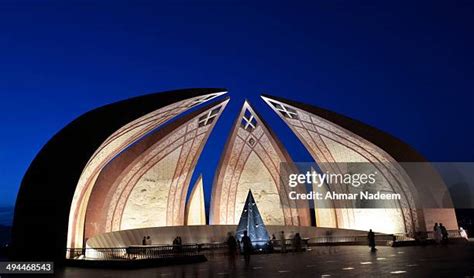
(195, 209)
(251, 221)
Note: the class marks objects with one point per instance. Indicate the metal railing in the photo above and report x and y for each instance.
(133, 252)
(139, 252)
(430, 235)
(451, 234)
(362, 239)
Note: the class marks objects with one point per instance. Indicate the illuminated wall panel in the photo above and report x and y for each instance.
(147, 203)
(195, 208)
(328, 143)
(146, 185)
(251, 160)
(111, 147)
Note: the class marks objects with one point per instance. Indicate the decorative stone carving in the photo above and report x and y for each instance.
(114, 145)
(251, 161)
(328, 143)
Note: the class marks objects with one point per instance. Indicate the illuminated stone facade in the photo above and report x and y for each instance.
(133, 170)
(329, 143)
(251, 161)
(109, 177)
(195, 208)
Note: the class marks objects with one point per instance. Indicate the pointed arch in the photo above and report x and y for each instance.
(251, 161)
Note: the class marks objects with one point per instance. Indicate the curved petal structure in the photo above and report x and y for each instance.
(331, 138)
(124, 169)
(195, 208)
(146, 184)
(251, 161)
(56, 188)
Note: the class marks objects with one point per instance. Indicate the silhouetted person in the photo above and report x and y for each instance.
(371, 238)
(147, 241)
(179, 243)
(175, 244)
(232, 247)
(444, 232)
(297, 242)
(247, 247)
(144, 240)
(437, 233)
(283, 242)
(271, 243)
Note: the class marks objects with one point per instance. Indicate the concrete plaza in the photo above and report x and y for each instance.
(337, 261)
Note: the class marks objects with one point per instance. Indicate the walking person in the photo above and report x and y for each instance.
(371, 238)
(232, 248)
(247, 246)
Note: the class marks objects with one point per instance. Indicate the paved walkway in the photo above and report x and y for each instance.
(339, 261)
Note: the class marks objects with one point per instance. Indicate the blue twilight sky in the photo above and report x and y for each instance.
(404, 67)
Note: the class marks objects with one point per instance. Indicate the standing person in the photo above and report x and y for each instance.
(444, 232)
(271, 243)
(148, 242)
(283, 242)
(144, 240)
(180, 244)
(437, 233)
(232, 248)
(175, 243)
(297, 242)
(247, 246)
(371, 237)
